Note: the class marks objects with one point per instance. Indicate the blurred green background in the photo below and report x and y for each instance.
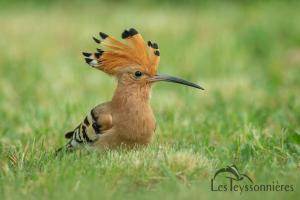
(246, 54)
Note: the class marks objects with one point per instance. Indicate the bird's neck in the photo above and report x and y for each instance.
(132, 95)
(132, 111)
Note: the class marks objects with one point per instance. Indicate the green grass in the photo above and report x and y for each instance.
(246, 56)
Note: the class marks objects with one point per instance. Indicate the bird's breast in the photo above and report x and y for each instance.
(135, 123)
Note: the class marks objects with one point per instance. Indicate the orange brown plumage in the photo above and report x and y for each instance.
(127, 120)
(115, 55)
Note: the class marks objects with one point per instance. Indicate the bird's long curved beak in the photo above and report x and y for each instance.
(167, 78)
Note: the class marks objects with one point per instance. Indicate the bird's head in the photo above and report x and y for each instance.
(132, 61)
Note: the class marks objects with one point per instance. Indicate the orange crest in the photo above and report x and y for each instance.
(115, 55)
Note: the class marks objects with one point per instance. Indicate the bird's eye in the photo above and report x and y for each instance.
(138, 74)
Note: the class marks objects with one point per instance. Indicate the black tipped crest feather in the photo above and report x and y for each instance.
(154, 46)
(129, 33)
(103, 35)
(100, 50)
(97, 55)
(96, 40)
(133, 32)
(125, 34)
(88, 60)
(86, 54)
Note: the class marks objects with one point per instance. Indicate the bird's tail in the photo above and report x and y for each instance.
(73, 143)
(66, 148)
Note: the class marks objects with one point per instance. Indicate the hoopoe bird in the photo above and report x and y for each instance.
(127, 120)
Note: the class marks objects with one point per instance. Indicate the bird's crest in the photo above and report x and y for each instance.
(113, 55)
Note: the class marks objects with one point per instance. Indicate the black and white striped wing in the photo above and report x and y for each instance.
(90, 129)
